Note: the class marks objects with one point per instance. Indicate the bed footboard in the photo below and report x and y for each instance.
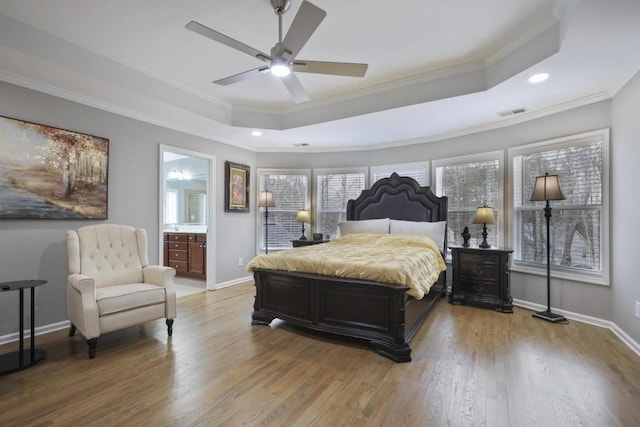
(370, 311)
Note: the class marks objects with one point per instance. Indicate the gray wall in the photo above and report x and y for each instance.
(625, 220)
(586, 299)
(36, 248)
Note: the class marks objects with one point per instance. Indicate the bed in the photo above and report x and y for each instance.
(382, 314)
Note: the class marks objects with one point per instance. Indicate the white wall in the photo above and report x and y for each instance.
(33, 249)
(625, 220)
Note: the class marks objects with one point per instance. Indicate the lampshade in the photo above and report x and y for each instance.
(303, 216)
(547, 187)
(484, 215)
(266, 199)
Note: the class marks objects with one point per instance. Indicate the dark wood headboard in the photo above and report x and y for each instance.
(398, 197)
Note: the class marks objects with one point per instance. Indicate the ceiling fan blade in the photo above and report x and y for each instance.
(304, 24)
(241, 76)
(226, 40)
(336, 68)
(295, 88)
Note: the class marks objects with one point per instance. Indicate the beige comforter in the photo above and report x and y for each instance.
(402, 259)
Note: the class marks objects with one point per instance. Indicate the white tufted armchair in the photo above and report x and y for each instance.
(110, 284)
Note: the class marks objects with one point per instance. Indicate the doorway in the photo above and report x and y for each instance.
(187, 215)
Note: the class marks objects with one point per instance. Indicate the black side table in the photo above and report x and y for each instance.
(18, 360)
(300, 243)
(481, 277)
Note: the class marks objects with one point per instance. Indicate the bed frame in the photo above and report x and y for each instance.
(380, 313)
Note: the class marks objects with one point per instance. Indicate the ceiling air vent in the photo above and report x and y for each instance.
(513, 112)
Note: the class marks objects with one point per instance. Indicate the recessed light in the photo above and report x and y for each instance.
(538, 78)
(256, 133)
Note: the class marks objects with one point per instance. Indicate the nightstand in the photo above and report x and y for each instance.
(300, 243)
(481, 277)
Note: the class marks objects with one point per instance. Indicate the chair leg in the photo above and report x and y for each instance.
(92, 347)
(170, 326)
(72, 330)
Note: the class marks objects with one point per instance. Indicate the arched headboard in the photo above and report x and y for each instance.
(398, 197)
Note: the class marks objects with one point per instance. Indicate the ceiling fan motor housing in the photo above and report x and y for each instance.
(280, 6)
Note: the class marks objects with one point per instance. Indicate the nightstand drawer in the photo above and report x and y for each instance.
(487, 261)
(478, 272)
(478, 287)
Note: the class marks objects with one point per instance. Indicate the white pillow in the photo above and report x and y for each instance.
(434, 230)
(375, 226)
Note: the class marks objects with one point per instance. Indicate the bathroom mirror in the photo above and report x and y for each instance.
(195, 205)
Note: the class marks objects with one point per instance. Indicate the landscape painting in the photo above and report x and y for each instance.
(51, 173)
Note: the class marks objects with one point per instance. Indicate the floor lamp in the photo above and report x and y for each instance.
(547, 188)
(266, 202)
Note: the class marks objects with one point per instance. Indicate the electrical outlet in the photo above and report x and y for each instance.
(240, 262)
(638, 309)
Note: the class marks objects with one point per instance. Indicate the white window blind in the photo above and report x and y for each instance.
(470, 182)
(418, 171)
(577, 224)
(334, 188)
(290, 194)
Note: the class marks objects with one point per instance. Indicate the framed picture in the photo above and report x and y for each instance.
(51, 173)
(236, 187)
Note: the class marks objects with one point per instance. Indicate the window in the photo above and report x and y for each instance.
(470, 182)
(171, 206)
(418, 171)
(334, 187)
(578, 224)
(290, 194)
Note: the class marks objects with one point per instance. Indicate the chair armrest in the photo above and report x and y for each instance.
(82, 308)
(163, 276)
(158, 275)
(83, 284)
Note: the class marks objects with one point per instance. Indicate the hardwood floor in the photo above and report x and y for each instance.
(470, 366)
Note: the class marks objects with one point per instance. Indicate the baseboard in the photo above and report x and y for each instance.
(5, 339)
(234, 282)
(624, 337)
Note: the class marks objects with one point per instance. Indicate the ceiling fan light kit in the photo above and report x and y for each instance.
(280, 68)
(282, 60)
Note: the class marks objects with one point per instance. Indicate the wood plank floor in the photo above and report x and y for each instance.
(470, 367)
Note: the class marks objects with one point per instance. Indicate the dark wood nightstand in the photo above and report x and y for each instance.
(481, 277)
(300, 243)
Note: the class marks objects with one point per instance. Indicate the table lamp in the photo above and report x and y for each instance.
(303, 216)
(484, 216)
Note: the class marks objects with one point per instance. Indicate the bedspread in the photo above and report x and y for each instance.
(411, 260)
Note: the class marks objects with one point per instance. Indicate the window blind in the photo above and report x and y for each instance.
(334, 190)
(577, 223)
(417, 171)
(468, 185)
(290, 194)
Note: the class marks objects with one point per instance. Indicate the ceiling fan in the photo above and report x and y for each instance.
(282, 61)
